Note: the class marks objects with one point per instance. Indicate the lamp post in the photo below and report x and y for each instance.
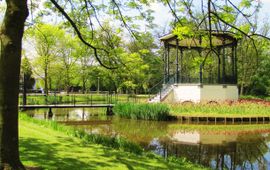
(24, 89)
(98, 86)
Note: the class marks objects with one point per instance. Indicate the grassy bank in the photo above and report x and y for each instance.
(44, 144)
(142, 111)
(113, 142)
(221, 129)
(266, 98)
(232, 110)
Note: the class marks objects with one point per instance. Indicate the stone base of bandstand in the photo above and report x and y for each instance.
(202, 93)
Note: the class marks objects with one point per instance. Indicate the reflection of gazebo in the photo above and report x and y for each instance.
(196, 70)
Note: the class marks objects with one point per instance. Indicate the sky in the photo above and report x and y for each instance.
(163, 16)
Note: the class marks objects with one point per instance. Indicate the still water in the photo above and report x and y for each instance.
(214, 146)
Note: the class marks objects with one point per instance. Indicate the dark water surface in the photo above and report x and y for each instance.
(215, 146)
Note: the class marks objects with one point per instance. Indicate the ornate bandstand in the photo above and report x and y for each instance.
(197, 69)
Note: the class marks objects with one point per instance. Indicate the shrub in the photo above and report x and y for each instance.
(142, 111)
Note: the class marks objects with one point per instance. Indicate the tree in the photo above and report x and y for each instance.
(67, 56)
(12, 29)
(46, 42)
(26, 73)
(85, 67)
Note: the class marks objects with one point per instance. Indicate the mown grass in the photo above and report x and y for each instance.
(223, 110)
(142, 111)
(46, 145)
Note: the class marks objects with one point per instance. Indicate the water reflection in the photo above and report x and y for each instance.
(237, 151)
(67, 114)
(227, 147)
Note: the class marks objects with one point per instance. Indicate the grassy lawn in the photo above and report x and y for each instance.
(220, 110)
(50, 149)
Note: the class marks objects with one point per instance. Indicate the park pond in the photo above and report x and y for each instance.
(215, 146)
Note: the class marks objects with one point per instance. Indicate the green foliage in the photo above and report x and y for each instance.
(261, 80)
(63, 62)
(246, 3)
(142, 111)
(227, 16)
(26, 74)
(253, 66)
(183, 32)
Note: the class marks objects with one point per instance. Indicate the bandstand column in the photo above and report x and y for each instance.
(177, 61)
(181, 65)
(168, 63)
(218, 53)
(233, 65)
(165, 63)
(223, 65)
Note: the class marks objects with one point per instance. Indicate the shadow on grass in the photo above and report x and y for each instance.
(48, 155)
(132, 162)
(45, 155)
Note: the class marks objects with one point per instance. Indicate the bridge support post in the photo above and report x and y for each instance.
(50, 113)
(109, 111)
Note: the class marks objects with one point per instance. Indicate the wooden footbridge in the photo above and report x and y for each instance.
(50, 107)
(66, 106)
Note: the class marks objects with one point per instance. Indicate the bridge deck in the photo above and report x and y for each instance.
(66, 106)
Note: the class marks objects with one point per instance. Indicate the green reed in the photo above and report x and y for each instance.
(142, 111)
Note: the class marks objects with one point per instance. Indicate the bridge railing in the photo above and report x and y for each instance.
(93, 97)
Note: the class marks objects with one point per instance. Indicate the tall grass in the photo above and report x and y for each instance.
(239, 109)
(142, 111)
(113, 142)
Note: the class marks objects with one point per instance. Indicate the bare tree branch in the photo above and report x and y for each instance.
(172, 10)
(123, 20)
(89, 18)
(244, 15)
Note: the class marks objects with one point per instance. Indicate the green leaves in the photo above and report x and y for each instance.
(246, 3)
(227, 16)
(183, 32)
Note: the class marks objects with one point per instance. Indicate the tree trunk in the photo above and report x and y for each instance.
(46, 81)
(11, 34)
(83, 85)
